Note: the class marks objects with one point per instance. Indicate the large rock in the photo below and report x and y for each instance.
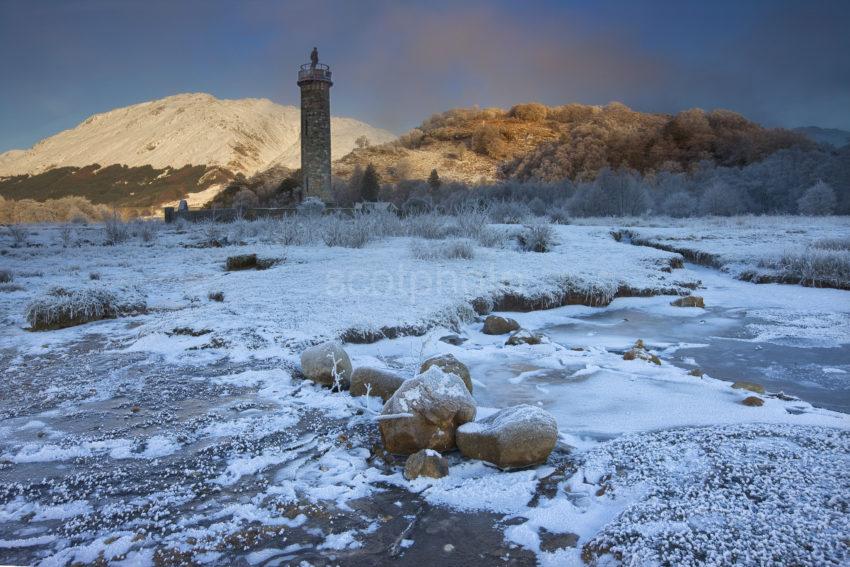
(425, 412)
(511, 438)
(426, 462)
(318, 363)
(375, 381)
(448, 363)
(495, 325)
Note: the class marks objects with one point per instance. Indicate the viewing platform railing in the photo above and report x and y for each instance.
(309, 72)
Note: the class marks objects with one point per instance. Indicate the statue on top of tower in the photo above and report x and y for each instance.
(314, 58)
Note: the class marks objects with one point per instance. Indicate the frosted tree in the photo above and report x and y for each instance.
(721, 200)
(680, 204)
(819, 199)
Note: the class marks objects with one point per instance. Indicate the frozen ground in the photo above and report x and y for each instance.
(759, 248)
(126, 441)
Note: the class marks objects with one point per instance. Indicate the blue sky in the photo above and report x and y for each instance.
(782, 63)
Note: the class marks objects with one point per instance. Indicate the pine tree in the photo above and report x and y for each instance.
(434, 180)
(371, 184)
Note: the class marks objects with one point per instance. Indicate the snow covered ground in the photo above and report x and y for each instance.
(753, 248)
(138, 441)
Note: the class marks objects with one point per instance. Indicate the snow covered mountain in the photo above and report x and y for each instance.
(242, 136)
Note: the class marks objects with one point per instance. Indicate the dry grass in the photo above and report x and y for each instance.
(447, 250)
(59, 307)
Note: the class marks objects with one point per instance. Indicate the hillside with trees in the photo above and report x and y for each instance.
(533, 142)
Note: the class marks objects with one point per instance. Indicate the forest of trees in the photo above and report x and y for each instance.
(800, 180)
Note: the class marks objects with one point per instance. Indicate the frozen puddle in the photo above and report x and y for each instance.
(746, 332)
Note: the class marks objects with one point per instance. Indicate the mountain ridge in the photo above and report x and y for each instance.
(187, 129)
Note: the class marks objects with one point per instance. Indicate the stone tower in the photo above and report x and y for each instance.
(314, 79)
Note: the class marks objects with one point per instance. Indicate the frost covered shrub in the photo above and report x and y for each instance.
(383, 223)
(448, 250)
(490, 237)
(509, 212)
(538, 207)
(417, 206)
(115, 230)
(6, 276)
(146, 230)
(216, 296)
(560, 215)
(536, 238)
(814, 267)
(59, 307)
(19, 234)
(471, 220)
(430, 225)
(347, 233)
(66, 235)
(211, 234)
(819, 199)
(311, 207)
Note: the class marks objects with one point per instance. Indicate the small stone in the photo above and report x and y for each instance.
(318, 363)
(495, 325)
(375, 381)
(524, 337)
(455, 340)
(426, 462)
(515, 437)
(551, 542)
(689, 301)
(425, 412)
(448, 363)
(750, 386)
(753, 401)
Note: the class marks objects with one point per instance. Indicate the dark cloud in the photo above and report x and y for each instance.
(780, 62)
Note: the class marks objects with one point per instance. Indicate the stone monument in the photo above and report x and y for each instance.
(314, 78)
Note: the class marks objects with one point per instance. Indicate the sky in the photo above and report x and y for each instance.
(778, 62)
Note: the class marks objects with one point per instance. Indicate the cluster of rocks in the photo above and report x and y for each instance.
(496, 325)
(434, 413)
(640, 352)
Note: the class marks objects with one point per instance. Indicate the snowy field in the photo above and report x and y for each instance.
(813, 250)
(185, 434)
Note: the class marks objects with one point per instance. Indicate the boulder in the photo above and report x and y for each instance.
(425, 412)
(749, 386)
(524, 337)
(448, 363)
(495, 325)
(426, 462)
(689, 301)
(515, 437)
(318, 363)
(753, 401)
(377, 382)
